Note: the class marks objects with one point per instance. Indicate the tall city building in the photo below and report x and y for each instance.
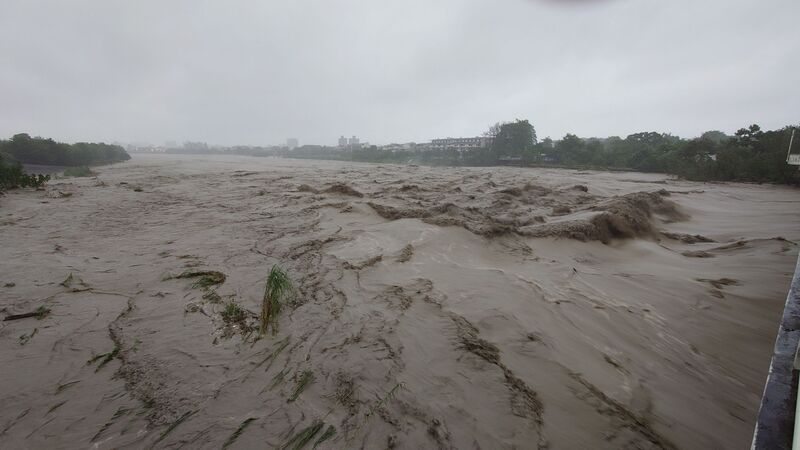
(342, 141)
(291, 143)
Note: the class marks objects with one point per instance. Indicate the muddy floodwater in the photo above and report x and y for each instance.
(434, 307)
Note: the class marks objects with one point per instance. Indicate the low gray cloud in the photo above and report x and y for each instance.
(246, 72)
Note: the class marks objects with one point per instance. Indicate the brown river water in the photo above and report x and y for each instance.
(434, 307)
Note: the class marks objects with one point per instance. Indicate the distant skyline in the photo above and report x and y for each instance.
(257, 73)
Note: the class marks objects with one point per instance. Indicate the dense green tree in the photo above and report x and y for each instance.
(514, 138)
(570, 150)
(649, 138)
(715, 136)
(748, 137)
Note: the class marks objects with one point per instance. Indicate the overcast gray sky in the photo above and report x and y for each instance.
(257, 72)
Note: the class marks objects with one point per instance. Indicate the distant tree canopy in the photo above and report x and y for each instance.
(750, 155)
(36, 150)
(715, 136)
(512, 138)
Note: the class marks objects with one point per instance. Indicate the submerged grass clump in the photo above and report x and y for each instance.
(105, 358)
(237, 433)
(303, 437)
(233, 313)
(205, 278)
(329, 433)
(42, 312)
(389, 396)
(278, 286)
(306, 378)
(211, 296)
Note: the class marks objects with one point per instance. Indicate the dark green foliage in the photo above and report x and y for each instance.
(36, 150)
(278, 286)
(715, 136)
(42, 312)
(513, 138)
(13, 176)
(233, 313)
(750, 155)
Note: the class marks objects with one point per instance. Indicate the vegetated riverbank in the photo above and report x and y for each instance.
(750, 155)
(14, 175)
(29, 162)
(47, 152)
(435, 307)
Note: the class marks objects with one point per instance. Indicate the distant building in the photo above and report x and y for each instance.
(292, 143)
(461, 144)
(351, 143)
(544, 157)
(408, 146)
(195, 146)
